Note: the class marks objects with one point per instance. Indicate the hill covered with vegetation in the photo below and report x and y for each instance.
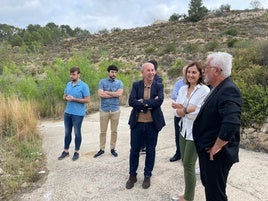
(172, 44)
(35, 63)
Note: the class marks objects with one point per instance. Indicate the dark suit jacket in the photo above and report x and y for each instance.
(220, 116)
(153, 103)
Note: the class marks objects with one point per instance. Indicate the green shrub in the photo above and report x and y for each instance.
(169, 48)
(252, 80)
(174, 17)
(225, 8)
(254, 105)
(262, 50)
(191, 48)
(244, 44)
(231, 42)
(211, 46)
(231, 32)
(150, 49)
(176, 69)
(251, 52)
(115, 29)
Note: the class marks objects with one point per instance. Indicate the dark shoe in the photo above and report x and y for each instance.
(131, 181)
(75, 156)
(113, 152)
(146, 182)
(175, 158)
(63, 155)
(100, 152)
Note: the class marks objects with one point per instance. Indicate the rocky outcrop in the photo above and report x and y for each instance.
(254, 139)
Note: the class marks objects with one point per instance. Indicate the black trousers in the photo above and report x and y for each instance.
(214, 174)
(177, 135)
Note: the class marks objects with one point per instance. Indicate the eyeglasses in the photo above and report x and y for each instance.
(207, 67)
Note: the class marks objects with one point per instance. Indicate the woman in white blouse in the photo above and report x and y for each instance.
(187, 106)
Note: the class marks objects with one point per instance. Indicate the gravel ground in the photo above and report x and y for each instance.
(104, 178)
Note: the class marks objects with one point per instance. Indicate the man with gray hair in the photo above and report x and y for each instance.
(216, 129)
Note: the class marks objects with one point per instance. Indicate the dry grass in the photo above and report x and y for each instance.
(20, 146)
(18, 119)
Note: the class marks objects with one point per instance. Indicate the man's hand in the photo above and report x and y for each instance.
(216, 148)
(212, 151)
(69, 98)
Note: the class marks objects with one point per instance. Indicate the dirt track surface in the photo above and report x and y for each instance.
(104, 178)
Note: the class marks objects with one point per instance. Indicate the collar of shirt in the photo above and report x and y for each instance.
(147, 86)
(111, 80)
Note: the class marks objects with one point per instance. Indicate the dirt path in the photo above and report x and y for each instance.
(104, 178)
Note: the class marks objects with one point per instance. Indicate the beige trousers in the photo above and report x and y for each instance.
(104, 120)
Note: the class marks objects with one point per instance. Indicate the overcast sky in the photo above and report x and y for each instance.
(95, 15)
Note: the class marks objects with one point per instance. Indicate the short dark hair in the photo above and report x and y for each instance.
(74, 69)
(112, 67)
(154, 62)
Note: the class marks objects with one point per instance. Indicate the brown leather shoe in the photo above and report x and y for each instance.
(131, 181)
(146, 182)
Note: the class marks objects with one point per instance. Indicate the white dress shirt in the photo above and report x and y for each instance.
(196, 99)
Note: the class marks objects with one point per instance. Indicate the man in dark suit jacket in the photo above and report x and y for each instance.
(216, 129)
(146, 120)
(157, 78)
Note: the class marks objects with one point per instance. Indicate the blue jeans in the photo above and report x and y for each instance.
(71, 121)
(148, 133)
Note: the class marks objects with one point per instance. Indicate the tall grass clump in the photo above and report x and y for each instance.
(20, 146)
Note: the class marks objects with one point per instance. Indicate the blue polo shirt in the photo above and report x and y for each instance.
(80, 90)
(110, 104)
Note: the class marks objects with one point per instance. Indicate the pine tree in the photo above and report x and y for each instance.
(196, 10)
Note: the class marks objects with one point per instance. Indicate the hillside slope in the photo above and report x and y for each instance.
(134, 44)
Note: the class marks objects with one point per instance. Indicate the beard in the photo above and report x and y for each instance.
(206, 80)
(112, 77)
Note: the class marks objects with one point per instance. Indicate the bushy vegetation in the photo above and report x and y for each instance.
(231, 32)
(211, 46)
(34, 37)
(20, 146)
(150, 49)
(169, 48)
(251, 76)
(45, 90)
(175, 70)
(175, 17)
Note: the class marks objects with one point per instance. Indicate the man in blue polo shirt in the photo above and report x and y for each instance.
(110, 90)
(76, 94)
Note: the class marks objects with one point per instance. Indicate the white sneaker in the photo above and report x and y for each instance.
(197, 170)
(175, 198)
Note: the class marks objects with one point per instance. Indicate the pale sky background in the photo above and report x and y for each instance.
(95, 15)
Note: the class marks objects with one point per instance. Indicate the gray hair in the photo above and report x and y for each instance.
(145, 64)
(221, 60)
